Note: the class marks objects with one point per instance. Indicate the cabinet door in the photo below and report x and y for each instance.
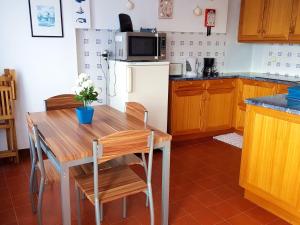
(295, 23)
(251, 18)
(277, 20)
(282, 89)
(219, 109)
(251, 89)
(187, 110)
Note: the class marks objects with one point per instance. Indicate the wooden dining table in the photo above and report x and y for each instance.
(68, 143)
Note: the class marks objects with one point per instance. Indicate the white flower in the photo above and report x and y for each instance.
(82, 77)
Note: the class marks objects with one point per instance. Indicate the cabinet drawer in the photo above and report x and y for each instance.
(221, 84)
(188, 85)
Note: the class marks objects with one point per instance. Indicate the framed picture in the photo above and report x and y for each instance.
(81, 14)
(165, 9)
(46, 18)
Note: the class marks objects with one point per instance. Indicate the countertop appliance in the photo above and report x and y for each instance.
(192, 67)
(176, 69)
(209, 69)
(143, 82)
(140, 46)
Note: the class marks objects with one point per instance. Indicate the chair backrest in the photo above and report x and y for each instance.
(65, 101)
(6, 103)
(137, 110)
(119, 144)
(35, 146)
(8, 79)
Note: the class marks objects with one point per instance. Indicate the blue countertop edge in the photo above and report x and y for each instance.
(280, 79)
(277, 102)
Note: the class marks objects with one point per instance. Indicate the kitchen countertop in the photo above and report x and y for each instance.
(277, 102)
(254, 76)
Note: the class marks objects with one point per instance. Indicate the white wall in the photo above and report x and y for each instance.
(238, 55)
(145, 14)
(45, 66)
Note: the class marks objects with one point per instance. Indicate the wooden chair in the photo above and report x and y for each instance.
(118, 182)
(7, 118)
(65, 101)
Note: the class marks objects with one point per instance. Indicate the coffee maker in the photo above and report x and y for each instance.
(209, 69)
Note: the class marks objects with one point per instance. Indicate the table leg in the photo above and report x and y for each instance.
(165, 183)
(65, 195)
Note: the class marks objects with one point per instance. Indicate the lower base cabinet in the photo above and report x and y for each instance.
(271, 161)
(219, 108)
(211, 107)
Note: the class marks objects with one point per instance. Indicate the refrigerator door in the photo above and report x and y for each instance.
(148, 85)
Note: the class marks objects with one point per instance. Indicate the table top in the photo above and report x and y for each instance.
(69, 140)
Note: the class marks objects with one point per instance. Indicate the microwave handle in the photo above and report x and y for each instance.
(129, 80)
(157, 46)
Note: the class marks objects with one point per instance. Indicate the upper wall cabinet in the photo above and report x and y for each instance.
(269, 21)
(251, 18)
(295, 22)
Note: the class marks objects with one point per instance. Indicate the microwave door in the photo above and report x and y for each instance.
(142, 48)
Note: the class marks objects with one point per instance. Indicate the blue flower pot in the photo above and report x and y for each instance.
(85, 114)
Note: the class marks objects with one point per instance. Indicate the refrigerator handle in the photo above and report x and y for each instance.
(129, 79)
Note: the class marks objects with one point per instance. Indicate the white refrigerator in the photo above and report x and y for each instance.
(143, 82)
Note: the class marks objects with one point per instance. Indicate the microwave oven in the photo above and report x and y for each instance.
(140, 46)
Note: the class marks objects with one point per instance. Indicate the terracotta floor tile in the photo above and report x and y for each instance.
(206, 216)
(224, 192)
(7, 217)
(279, 222)
(208, 198)
(204, 190)
(225, 210)
(242, 219)
(240, 203)
(261, 215)
(186, 220)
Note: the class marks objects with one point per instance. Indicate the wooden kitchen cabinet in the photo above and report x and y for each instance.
(282, 88)
(187, 107)
(212, 107)
(271, 161)
(267, 20)
(277, 20)
(251, 20)
(250, 89)
(295, 22)
(219, 105)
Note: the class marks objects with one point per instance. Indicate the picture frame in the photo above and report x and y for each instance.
(165, 9)
(46, 18)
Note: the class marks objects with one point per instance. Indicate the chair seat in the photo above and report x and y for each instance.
(125, 160)
(114, 183)
(129, 160)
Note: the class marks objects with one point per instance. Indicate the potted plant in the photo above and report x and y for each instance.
(86, 93)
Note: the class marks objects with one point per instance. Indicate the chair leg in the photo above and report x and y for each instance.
(40, 201)
(145, 168)
(97, 212)
(32, 187)
(124, 207)
(151, 204)
(101, 212)
(78, 204)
